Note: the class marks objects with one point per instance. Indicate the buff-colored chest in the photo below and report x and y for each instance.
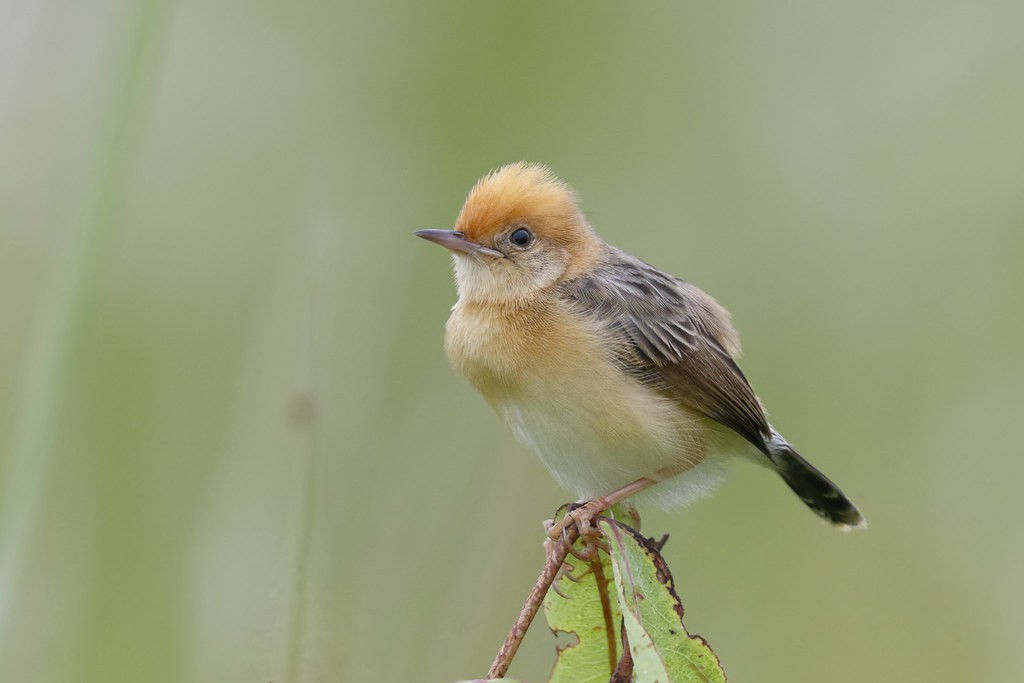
(551, 376)
(501, 350)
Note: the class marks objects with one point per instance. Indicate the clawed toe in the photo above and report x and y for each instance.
(582, 516)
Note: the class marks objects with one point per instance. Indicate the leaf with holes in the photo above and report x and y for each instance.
(588, 614)
(662, 650)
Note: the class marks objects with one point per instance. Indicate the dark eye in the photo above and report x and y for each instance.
(521, 237)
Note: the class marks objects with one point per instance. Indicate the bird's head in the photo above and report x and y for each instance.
(519, 232)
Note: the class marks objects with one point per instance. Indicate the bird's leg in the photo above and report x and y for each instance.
(583, 515)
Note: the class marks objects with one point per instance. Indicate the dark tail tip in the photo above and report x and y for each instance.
(815, 489)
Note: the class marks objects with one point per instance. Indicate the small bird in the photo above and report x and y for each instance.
(622, 378)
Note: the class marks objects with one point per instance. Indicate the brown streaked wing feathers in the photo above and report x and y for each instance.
(672, 339)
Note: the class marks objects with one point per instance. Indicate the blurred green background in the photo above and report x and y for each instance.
(233, 450)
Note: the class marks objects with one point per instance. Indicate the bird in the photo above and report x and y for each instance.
(623, 379)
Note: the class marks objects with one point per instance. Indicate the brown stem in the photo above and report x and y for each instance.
(623, 673)
(533, 602)
(606, 608)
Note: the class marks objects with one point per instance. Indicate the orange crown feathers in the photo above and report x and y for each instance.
(521, 192)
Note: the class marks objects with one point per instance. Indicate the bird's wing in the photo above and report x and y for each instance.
(674, 337)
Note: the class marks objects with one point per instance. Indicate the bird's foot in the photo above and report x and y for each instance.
(581, 515)
(577, 558)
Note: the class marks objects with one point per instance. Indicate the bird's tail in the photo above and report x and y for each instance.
(815, 489)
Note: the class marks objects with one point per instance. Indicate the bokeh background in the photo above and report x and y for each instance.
(232, 450)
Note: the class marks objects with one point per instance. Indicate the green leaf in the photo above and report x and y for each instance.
(626, 513)
(662, 650)
(582, 617)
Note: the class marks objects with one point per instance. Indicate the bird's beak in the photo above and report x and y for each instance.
(453, 240)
